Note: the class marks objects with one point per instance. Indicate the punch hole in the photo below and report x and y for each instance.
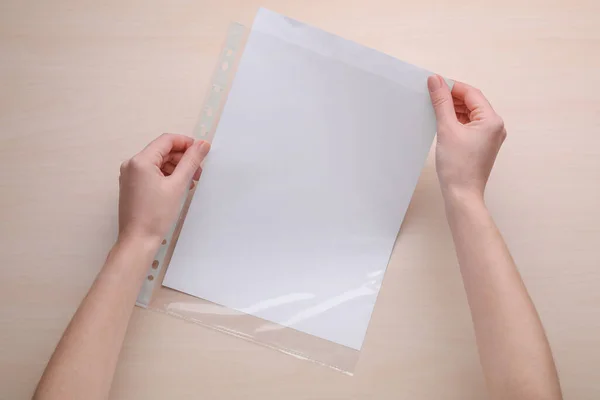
(203, 131)
(229, 52)
(164, 242)
(150, 277)
(155, 264)
(216, 89)
(209, 111)
(225, 66)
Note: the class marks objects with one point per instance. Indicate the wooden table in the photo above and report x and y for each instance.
(85, 85)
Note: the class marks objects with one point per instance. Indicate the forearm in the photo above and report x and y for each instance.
(515, 355)
(84, 361)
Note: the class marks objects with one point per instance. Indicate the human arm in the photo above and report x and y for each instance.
(152, 186)
(514, 352)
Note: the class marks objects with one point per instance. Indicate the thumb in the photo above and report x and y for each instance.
(441, 99)
(190, 161)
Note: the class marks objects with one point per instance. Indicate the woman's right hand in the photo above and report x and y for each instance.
(469, 136)
(153, 184)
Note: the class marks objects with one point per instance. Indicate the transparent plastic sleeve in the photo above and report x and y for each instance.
(156, 297)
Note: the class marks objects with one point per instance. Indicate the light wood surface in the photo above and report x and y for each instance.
(84, 85)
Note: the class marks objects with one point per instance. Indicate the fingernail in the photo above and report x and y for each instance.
(434, 82)
(204, 147)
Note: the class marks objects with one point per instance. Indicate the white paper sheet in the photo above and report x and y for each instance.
(313, 165)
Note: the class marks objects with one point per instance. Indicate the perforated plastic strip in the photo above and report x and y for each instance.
(205, 129)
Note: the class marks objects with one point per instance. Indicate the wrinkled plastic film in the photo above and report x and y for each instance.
(241, 324)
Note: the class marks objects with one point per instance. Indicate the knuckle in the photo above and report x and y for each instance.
(476, 114)
(136, 162)
(124, 166)
(439, 100)
(163, 137)
(497, 123)
(167, 135)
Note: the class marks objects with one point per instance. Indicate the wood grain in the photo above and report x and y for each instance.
(84, 85)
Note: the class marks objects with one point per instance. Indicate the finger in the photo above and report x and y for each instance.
(475, 101)
(463, 118)
(197, 174)
(190, 162)
(441, 99)
(461, 109)
(173, 157)
(171, 161)
(166, 143)
(168, 168)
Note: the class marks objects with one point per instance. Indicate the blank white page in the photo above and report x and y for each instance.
(315, 159)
